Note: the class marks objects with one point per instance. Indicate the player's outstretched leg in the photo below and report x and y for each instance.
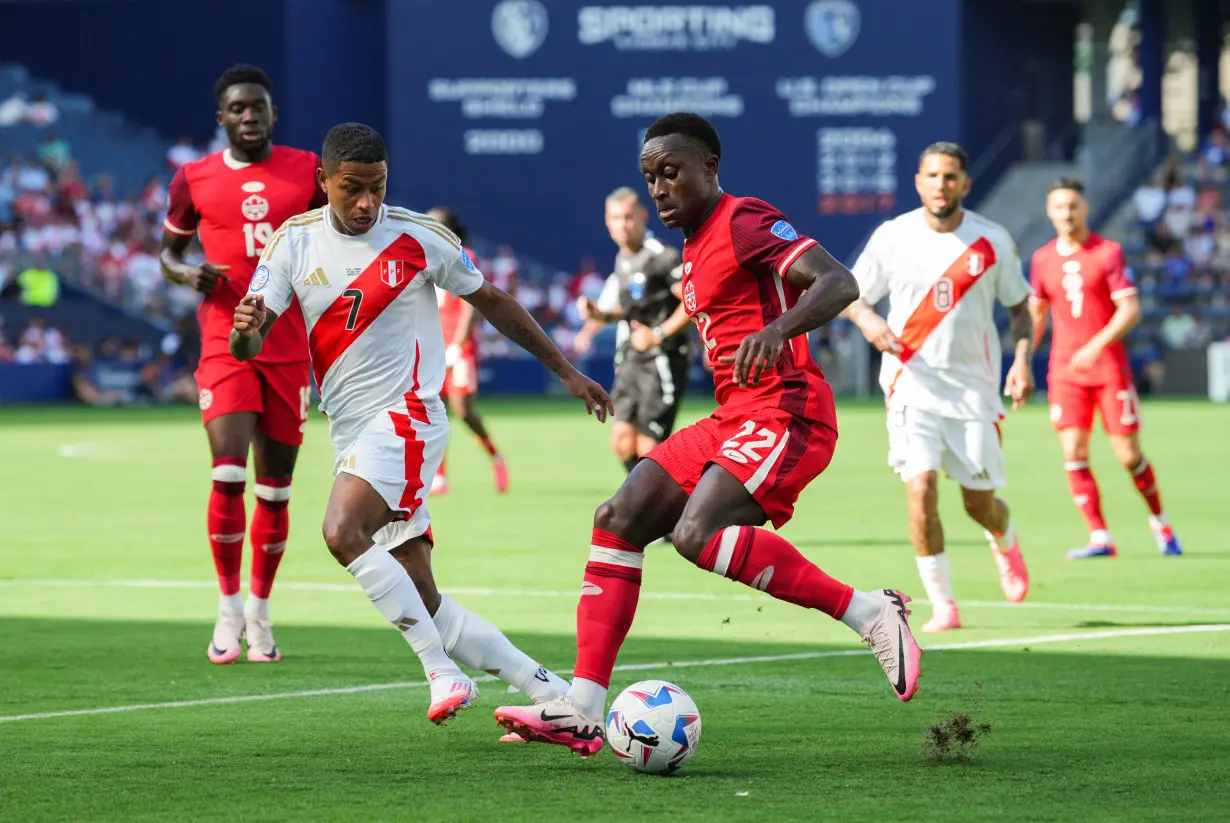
(1127, 449)
(226, 522)
(470, 639)
(993, 514)
(927, 537)
(718, 532)
(275, 463)
(647, 506)
(354, 514)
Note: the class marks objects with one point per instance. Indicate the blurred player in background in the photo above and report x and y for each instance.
(459, 323)
(233, 200)
(1084, 281)
(943, 268)
(754, 287)
(365, 275)
(643, 295)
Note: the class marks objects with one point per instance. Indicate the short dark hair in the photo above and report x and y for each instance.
(354, 143)
(692, 126)
(1068, 184)
(448, 219)
(948, 149)
(241, 73)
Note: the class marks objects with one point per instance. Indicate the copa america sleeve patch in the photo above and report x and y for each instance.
(260, 278)
(784, 230)
(467, 262)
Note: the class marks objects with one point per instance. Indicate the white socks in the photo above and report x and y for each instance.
(471, 640)
(589, 697)
(862, 612)
(393, 594)
(1100, 537)
(936, 579)
(1005, 541)
(231, 603)
(257, 608)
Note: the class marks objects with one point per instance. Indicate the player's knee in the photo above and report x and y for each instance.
(978, 506)
(346, 539)
(612, 516)
(690, 537)
(922, 494)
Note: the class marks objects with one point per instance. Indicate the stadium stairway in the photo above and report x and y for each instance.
(1017, 202)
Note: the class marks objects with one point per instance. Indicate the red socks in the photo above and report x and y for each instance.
(270, 527)
(1146, 484)
(607, 606)
(227, 521)
(765, 561)
(1085, 494)
(486, 443)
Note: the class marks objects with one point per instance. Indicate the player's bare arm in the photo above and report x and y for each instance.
(512, 320)
(200, 276)
(829, 288)
(1125, 318)
(1039, 310)
(874, 327)
(1019, 382)
(252, 324)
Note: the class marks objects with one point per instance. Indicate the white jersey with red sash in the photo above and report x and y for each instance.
(942, 289)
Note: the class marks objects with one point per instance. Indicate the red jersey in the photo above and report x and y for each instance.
(733, 286)
(1082, 288)
(450, 315)
(235, 208)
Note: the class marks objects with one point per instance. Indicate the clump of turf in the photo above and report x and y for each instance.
(954, 739)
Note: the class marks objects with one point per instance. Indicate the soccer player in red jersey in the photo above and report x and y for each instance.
(233, 200)
(1084, 282)
(754, 287)
(458, 322)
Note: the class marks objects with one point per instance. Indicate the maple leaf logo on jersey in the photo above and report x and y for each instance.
(689, 296)
(976, 264)
(256, 208)
(392, 272)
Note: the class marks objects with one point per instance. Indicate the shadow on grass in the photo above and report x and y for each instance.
(783, 740)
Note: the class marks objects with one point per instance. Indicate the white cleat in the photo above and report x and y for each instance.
(225, 646)
(261, 648)
(450, 693)
(893, 644)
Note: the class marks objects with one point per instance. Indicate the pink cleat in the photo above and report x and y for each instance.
(893, 644)
(1013, 576)
(450, 694)
(225, 646)
(259, 634)
(439, 485)
(500, 469)
(944, 618)
(557, 721)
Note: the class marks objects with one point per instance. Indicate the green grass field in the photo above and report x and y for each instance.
(1105, 692)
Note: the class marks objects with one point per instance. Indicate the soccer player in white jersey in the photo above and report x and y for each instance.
(943, 268)
(364, 274)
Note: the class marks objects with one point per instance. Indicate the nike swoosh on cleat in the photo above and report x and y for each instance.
(900, 684)
(547, 718)
(216, 650)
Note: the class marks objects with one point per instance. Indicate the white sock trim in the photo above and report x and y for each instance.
(726, 550)
(936, 577)
(272, 494)
(616, 557)
(229, 474)
(1075, 465)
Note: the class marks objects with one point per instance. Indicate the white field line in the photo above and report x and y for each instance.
(636, 667)
(574, 594)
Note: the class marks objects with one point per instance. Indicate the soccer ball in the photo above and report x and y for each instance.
(653, 727)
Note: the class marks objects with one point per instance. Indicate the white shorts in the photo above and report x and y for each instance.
(968, 451)
(398, 453)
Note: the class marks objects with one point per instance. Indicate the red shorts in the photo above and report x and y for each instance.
(774, 454)
(1072, 406)
(278, 392)
(462, 377)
